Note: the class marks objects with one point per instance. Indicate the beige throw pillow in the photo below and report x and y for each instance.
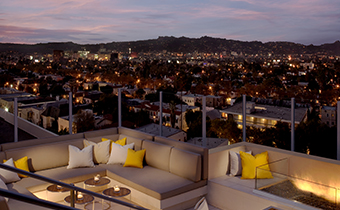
(3, 186)
(101, 151)
(235, 163)
(9, 176)
(80, 158)
(119, 153)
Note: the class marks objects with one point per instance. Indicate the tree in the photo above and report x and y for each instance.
(43, 89)
(107, 89)
(84, 121)
(139, 93)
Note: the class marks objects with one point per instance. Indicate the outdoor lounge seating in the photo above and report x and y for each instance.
(232, 192)
(173, 177)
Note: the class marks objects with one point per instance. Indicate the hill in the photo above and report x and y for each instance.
(181, 44)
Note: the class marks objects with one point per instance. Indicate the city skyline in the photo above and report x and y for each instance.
(306, 22)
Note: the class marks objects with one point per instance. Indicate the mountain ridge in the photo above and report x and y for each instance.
(182, 44)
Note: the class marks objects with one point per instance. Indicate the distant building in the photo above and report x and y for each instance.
(211, 101)
(328, 115)
(263, 115)
(153, 111)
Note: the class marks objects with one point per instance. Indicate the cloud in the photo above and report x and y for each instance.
(113, 20)
(15, 34)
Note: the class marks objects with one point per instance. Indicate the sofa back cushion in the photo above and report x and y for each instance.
(97, 139)
(129, 140)
(188, 147)
(157, 155)
(45, 156)
(186, 164)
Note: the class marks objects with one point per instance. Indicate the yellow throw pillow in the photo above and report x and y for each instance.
(21, 164)
(134, 158)
(121, 142)
(250, 162)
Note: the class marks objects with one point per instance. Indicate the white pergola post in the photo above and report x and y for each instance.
(292, 128)
(204, 121)
(70, 118)
(119, 107)
(15, 112)
(244, 117)
(160, 112)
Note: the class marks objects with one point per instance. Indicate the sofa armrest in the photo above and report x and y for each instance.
(219, 164)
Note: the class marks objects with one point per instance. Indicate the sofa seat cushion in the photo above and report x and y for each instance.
(16, 204)
(151, 181)
(60, 174)
(15, 187)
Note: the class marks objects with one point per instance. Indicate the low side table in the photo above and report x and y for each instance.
(98, 186)
(102, 181)
(55, 188)
(86, 199)
(123, 192)
(55, 193)
(118, 195)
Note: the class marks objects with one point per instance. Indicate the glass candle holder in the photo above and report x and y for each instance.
(96, 178)
(80, 196)
(116, 189)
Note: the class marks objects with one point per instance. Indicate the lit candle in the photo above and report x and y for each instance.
(80, 196)
(116, 188)
(96, 178)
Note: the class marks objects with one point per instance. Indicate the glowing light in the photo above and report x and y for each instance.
(318, 189)
(6, 109)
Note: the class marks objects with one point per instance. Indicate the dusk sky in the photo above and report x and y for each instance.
(101, 21)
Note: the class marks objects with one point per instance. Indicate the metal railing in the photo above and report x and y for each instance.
(72, 188)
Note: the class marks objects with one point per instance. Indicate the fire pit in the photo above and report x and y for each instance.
(287, 189)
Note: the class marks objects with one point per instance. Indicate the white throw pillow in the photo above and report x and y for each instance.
(3, 186)
(235, 163)
(119, 153)
(9, 176)
(101, 151)
(80, 158)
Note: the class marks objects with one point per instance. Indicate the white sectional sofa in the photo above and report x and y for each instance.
(174, 175)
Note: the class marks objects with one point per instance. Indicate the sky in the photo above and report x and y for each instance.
(103, 21)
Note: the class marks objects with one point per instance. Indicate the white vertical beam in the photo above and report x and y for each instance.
(160, 112)
(338, 129)
(70, 118)
(15, 112)
(244, 117)
(204, 121)
(119, 107)
(292, 128)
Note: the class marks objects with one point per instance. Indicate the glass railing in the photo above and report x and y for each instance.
(296, 189)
